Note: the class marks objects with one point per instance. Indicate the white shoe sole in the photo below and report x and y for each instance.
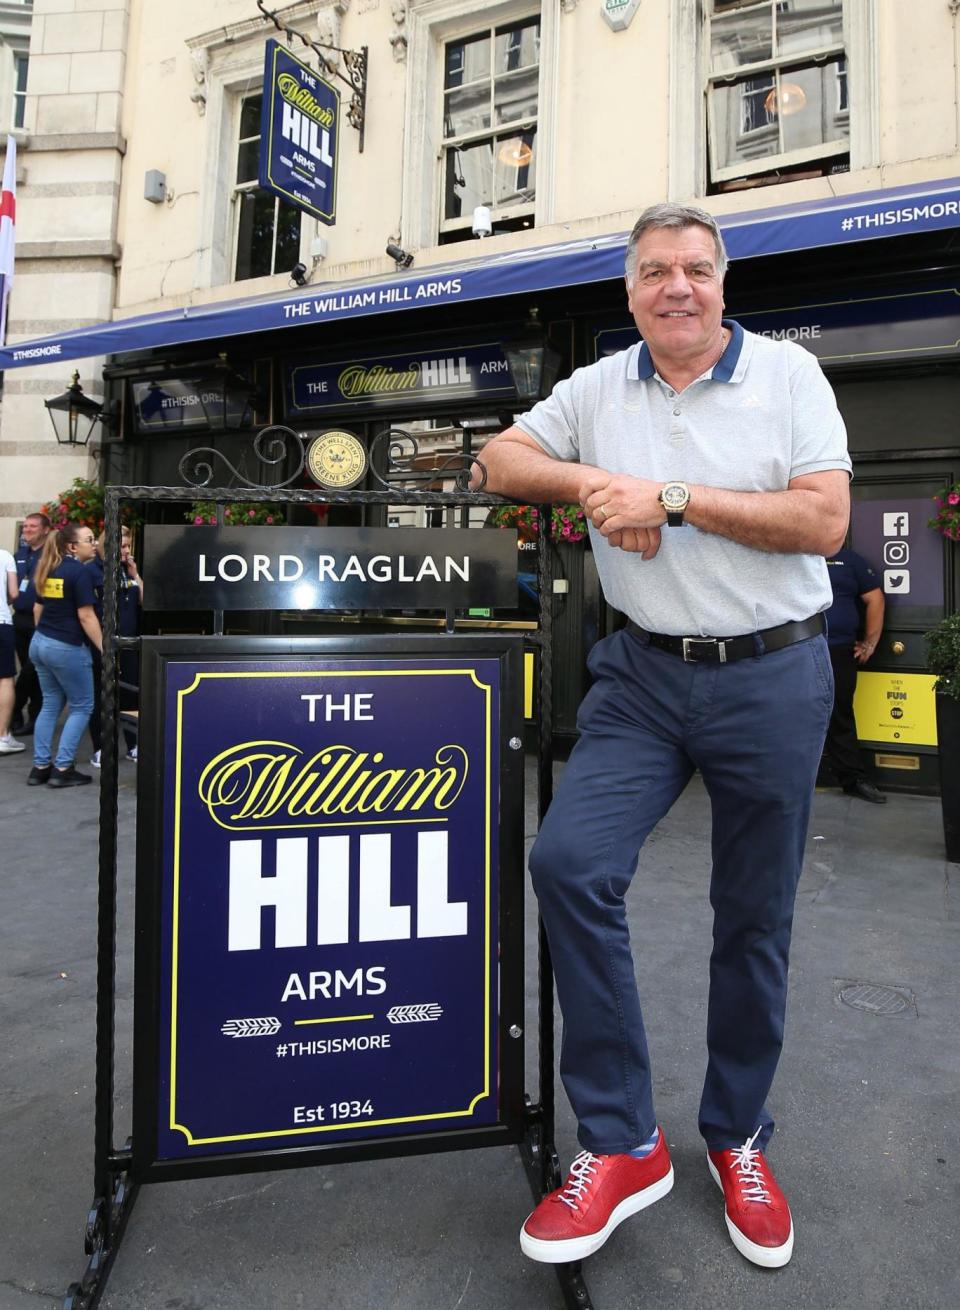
(770, 1257)
(578, 1248)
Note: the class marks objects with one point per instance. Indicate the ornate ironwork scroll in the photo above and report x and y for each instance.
(272, 446)
(397, 452)
(355, 62)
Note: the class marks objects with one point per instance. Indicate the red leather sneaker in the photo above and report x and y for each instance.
(600, 1192)
(756, 1211)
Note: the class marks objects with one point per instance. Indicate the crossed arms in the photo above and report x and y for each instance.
(809, 517)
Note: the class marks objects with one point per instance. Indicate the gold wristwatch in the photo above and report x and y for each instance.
(674, 497)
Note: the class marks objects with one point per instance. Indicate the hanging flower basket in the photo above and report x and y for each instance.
(202, 513)
(947, 518)
(83, 503)
(567, 522)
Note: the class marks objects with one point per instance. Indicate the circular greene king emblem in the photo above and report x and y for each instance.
(336, 460)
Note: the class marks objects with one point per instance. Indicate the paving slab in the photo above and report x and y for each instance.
(866, 1103)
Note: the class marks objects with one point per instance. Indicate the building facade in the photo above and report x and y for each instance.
(507, 148)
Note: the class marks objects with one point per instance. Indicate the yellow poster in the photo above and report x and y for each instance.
(896, 707)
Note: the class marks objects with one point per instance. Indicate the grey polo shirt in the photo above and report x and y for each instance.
(762, 415)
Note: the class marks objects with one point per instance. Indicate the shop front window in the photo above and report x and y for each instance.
(267, 237)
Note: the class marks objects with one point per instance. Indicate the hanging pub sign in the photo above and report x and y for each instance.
(273, 568)
(299, 133)
(322, 929)
(413, 380)
(182, 403)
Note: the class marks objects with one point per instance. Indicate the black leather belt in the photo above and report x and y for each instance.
(724, 650)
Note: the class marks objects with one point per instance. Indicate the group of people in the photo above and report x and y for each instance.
(51, 625)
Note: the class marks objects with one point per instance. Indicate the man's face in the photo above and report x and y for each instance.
(677, 298)
(33, 532)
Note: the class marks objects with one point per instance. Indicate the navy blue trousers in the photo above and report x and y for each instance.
(755, 730)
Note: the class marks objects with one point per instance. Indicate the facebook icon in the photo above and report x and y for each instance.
(896, 524)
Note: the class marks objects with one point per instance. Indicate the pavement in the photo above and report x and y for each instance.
(867, 1146)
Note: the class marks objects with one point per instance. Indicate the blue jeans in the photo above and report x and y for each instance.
(66, 677)
(755, 729)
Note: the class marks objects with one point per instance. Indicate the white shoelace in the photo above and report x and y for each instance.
(746, 1159)
(581, 1171)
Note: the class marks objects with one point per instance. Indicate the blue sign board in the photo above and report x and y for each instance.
(328, 937)
(923, 324)
(299, 133)
(177, 403)
(416, 380)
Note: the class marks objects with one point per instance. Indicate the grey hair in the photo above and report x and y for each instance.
(676, 217)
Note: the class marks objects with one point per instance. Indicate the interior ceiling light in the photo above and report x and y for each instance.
(515, 152)
(790, 99)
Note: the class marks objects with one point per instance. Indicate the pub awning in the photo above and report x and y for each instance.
(839, 220)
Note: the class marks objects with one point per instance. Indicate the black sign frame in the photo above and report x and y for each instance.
(116, 1183)
(157, 655)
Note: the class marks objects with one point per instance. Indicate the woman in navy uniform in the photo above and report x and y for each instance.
(64, 615)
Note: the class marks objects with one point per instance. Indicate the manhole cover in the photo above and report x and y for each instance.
(875, 998)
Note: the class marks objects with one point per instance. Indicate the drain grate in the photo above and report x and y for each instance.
(875, 998)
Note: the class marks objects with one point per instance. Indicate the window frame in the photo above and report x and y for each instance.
(21, 58)
(430, 25)
(778, 66)
(244, 188)
(690, 73)
(497, 133)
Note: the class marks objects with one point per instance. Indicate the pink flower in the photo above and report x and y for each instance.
(212, 519)
(269, 518)
(954, 498)
(198, 519)
(566, 531)
(251, 513)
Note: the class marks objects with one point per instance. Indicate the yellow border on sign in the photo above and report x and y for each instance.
(315, 210)
(174, 996)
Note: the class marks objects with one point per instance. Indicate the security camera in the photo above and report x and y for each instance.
(397, 253)
(482, 226)
(299, 274)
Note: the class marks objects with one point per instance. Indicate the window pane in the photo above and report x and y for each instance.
(21, 64)
(255, 234)
(288, 238)
(741, 38)
(742, 127)
(250, 117)
(467, 110)
(516, 169)
(468, 179)
(517, 47)
(817, 117)
(467, 61)
(248, 161)
(515, 97)
(808, 25)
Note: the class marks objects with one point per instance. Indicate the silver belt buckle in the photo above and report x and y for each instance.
(689, 642)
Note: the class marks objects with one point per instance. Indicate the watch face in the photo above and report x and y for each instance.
(336, 460)
(674, 496)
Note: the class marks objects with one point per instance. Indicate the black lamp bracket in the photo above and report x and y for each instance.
(355, 62)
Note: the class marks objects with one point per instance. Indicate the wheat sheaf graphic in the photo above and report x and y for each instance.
(415, 1013)
(250, 1027)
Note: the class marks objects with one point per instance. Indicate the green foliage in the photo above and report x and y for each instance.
(82, 503)
(235, 514)
(567, 522)
(943, 655)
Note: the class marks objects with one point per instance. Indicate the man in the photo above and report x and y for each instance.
(851, 577)
(34, 532)
(712, 465)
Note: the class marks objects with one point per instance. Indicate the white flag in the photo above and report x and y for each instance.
(8, 215)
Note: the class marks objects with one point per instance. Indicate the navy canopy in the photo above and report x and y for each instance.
(922, 207)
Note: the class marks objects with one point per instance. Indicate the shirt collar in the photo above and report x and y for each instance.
(641, 367)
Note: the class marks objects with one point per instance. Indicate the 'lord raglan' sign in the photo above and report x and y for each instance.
(326, 950)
